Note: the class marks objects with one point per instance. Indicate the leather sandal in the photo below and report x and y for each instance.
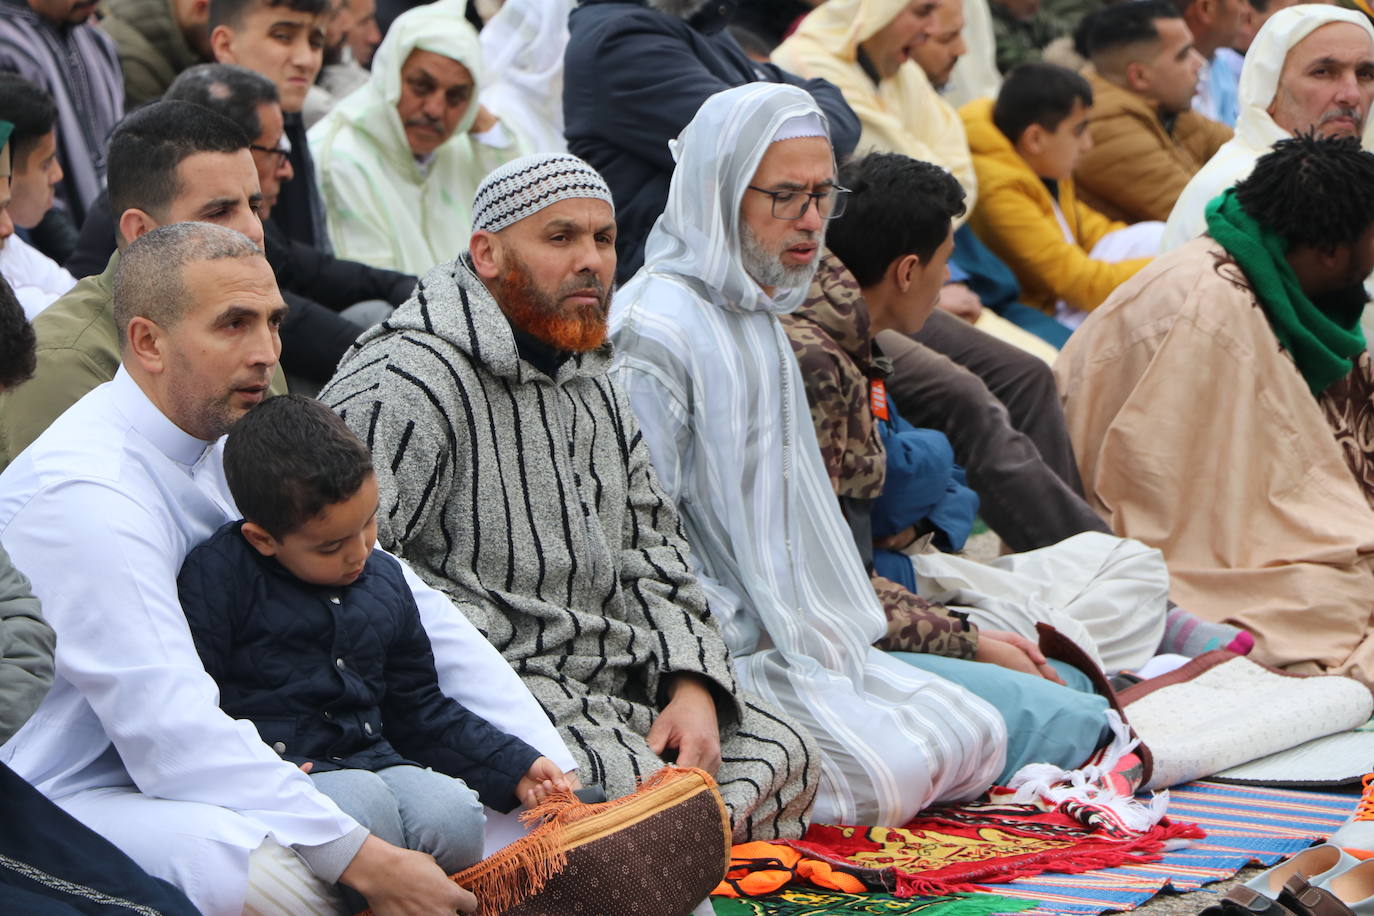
(1306, 899)
(1245, 901)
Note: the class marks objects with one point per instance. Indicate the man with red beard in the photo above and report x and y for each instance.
(513, 477)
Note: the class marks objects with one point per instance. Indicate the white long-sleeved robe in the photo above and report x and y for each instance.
(384, 207)
(1256, 132)
(713, 382)
(99, 512)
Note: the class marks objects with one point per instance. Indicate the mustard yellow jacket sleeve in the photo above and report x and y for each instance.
(1024, 232)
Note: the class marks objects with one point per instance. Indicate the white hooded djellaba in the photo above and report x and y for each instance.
(385, 207)
(711, 376)
(1256, 132)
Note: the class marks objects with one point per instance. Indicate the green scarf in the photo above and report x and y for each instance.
(1321, 343)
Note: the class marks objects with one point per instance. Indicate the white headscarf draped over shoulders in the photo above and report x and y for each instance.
(439, 28)
(709, 371)
(1256, 132)
(697, 238)
(522, 47)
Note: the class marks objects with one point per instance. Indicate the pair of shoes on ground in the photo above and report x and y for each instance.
(1323, 880)
(1335, 878)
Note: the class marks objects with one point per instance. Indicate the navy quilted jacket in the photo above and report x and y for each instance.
(340, 677)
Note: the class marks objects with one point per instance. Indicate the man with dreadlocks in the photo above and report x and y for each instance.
(1220, 402)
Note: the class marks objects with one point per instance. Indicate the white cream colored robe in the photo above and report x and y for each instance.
(522, 48)
(1256, 131)
(902, 114)
(720, 400)
(383, 207)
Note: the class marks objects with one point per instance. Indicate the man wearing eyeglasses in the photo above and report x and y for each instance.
(707, 365)
(331, 299)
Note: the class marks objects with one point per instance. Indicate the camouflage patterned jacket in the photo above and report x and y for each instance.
(830, 336)
(1023, 41)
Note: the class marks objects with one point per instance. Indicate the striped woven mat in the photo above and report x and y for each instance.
(1244, 825)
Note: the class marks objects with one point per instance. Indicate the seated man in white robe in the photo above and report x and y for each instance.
(1311, 67)
(100, 511)
(723, 407)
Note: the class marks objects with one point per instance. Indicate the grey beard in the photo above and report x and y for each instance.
(683, 9)
(765, 268)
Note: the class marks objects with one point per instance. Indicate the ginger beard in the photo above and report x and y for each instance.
(574, 328)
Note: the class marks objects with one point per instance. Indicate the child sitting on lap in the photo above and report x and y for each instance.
(315, 638)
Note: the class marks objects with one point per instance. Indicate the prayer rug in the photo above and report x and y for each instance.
(1324, 763)
(1244, 825)
(810, 902)
(957, 848)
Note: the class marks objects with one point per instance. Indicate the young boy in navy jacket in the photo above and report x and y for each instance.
(314, 637)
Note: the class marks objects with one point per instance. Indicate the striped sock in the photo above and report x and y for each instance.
(1187, 635)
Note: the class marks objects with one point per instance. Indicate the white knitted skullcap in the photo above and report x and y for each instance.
(531, 183)
(806, 125)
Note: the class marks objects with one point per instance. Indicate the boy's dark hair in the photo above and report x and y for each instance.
(1312, 191)
(1114, 27)
(1038, 93)
(17, 340)
(897, 206)
(230, 90)
(32, 111)
(289, 459)
(233, 12)
(148, 145)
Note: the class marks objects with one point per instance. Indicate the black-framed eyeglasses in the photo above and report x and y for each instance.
(789, 204)
(281, 150)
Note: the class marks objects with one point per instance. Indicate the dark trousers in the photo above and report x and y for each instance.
(999, 407)
(53, 865)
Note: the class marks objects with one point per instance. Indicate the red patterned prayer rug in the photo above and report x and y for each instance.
(956, 848)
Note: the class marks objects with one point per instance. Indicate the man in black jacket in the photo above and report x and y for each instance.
(331, 300)
(635, 73)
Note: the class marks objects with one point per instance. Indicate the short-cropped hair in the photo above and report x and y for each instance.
(233, 12)
(1038, 93)
(32, 111)
(149, 144)
(150, 280)
(290, 458)
(1125, 24)
(230, 90)
(18, 358)
(1312, 191)
(897, 206)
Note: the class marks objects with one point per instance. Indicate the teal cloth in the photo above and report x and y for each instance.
(1046, 723)
(1322, 342)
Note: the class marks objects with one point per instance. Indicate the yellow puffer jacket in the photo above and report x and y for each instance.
(1136, 169)
(1015, 218)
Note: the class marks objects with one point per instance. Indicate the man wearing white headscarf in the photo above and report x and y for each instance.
(522, 47)
(1279, 97)
(399, 159)
(1006, 425)
(721, 404)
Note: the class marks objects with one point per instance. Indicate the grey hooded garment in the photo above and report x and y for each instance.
(530, 501)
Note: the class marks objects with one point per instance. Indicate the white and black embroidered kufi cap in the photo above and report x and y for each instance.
(531, 183)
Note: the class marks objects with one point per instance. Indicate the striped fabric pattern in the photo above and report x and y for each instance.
(1243, 825)
(80, 67)
(717, 392)
(530, 501)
